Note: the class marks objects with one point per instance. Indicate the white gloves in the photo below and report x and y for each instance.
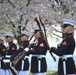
(26, 49)
(32, 41)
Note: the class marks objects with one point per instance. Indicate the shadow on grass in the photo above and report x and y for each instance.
(49, 73)
(52, 73)
(55, 73)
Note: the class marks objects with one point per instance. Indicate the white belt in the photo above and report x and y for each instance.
(26, 57)
(0, 64)
(39, 56)
(0, 61)
(6, 60)
(64, 62)
(23, 62)
(22, 65)
(66, 56)
(39, 61)
(8, 56)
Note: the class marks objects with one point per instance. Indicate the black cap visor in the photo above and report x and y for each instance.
(65, 25)
(23, 35)
(36, 31)
(7, 36)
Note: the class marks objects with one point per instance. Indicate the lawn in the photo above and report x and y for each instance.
(50, 73)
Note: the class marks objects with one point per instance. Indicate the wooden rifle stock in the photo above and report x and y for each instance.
(21, 56)
(39, 22)
(46, 39)
(12, 69)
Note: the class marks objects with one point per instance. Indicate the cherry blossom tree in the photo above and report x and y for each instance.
(18, 15)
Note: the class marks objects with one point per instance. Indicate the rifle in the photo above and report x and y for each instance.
(12, 69)
(39, 23)
(58, 35)
(20, 54)
(18, 57)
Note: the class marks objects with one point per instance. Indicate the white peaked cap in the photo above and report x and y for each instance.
(25, 33)
(9, 34)
(36, 28)
(1, 38)
(66, 21)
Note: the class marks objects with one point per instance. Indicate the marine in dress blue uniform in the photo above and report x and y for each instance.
(23, 65)
(39, 49)
(66, 64)
(12, 46)
(3, 51)
(10, 50)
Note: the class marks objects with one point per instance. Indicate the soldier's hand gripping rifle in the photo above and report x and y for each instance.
(20, 54)
(39, 23)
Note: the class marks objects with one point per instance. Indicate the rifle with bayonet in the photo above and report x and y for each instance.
(40, 23)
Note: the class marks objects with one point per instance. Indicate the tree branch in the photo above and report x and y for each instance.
(11, 3)
(21, 18)
(57, 35)
(26, 21)
(58, 31)
(3, 28)
(25, 25)
(28, 2)
(57, 1)
(11, 21)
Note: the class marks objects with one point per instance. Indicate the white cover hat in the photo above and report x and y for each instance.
(1, 38)
(36, 28)
(25, 33)
(9, 34)
(66, 21)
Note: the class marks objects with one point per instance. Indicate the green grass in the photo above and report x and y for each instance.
(50, 73)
